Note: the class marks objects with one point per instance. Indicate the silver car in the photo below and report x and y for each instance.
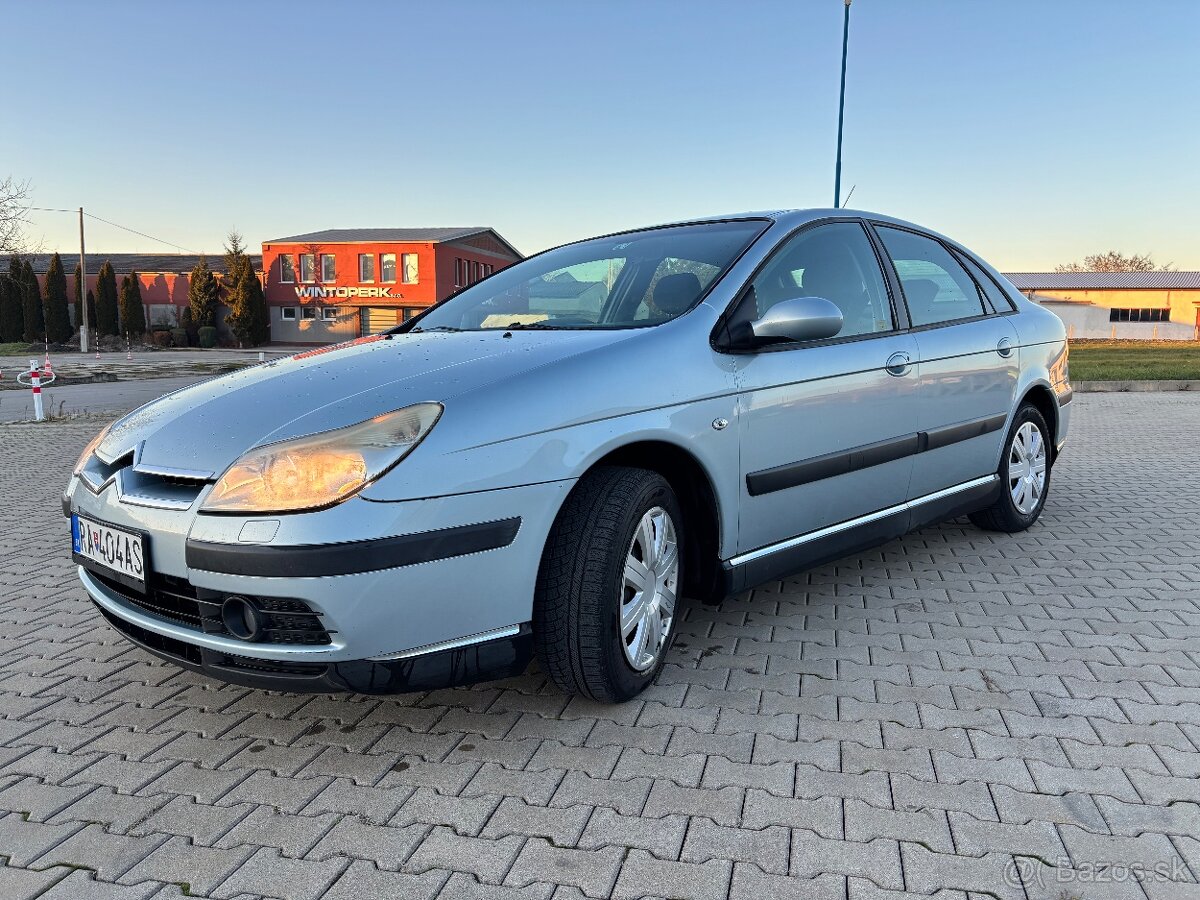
(548, 462)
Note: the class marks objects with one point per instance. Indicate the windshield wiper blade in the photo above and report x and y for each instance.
(523, 326)
(418, 329)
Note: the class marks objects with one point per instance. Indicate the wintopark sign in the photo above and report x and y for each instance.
(317, 292)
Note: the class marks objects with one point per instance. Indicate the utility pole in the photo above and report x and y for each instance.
(837, 175)
(83, 307)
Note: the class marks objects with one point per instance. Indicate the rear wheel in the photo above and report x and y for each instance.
(1024, 475)
(607, 591)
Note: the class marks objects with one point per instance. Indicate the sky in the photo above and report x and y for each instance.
(1034, 132)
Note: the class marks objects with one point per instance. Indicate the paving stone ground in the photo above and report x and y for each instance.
(957, 714)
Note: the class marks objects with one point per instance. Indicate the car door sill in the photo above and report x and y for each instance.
(812, 548)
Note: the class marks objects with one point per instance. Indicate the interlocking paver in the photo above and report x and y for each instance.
(906, 718)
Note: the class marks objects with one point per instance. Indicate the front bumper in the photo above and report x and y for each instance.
(411, 595)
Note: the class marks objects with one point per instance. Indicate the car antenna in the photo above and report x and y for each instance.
(848, 196)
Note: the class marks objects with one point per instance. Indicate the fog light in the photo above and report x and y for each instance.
(242, 619)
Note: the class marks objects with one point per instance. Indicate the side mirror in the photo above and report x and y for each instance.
(802, 319)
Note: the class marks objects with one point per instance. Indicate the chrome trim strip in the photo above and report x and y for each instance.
(956, 489)
(494, 634)
(168, 472)
(861, 520)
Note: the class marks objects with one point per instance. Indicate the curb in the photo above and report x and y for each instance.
(1119, 387)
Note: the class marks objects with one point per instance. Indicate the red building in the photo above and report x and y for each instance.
(347, 282)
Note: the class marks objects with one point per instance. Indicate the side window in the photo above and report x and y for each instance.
(833, 261)
(936, 287)
(996, 297)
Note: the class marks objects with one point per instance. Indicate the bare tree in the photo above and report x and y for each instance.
(1112, 261)
(14, 211)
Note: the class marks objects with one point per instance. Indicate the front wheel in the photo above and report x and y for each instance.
(1024, 475)
(608, 585)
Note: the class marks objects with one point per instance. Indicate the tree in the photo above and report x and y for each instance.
(204, 294)
(1113, 261)
(12, 316)
(91, 311)
(54, 303)
(31, 305)
(248, 317)
(106, 300)
(14, 206)
(133, 314)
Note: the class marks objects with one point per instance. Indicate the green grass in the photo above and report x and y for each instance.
(1135, 360)
(14, 349)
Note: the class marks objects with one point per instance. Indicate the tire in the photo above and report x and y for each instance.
(583, 588)
(1016, 513)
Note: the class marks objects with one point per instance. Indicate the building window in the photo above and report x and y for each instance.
(1145, 314)
(459, 272)
(287, 269)
(410, 311)
(310, 312)
(328, 267)
(329, 313)
(308, 268)
(387, 268)
(288, 313)
(408, 265)
(366, 267)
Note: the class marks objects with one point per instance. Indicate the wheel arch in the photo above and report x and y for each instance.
(698, 498)
(1042, 397)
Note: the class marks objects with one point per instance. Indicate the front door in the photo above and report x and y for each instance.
(828, 428)
(969, 360)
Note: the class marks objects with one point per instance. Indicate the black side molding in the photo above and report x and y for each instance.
(952, 434)
(349, 558)
(1065, 397)
(809, 470)
(831, 464)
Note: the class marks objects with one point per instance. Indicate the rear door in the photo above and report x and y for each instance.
(969, 362)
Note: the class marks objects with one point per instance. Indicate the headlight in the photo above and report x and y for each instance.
(321, 469)
(90, 449)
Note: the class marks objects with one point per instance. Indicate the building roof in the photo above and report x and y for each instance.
(124, 263)
(392, 236)
(1099, 281)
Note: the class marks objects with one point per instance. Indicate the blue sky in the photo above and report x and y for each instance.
(1033, 131)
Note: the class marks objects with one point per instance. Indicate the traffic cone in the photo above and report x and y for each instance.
(46, 365)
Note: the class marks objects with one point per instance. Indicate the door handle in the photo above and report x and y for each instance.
(1004, 347)
(899, 364)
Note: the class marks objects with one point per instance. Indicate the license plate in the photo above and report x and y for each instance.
(115, 552)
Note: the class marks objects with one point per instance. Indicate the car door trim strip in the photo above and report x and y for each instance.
(855, 459)
(351, 557)
(797, 541)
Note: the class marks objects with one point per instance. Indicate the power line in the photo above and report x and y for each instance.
(115, 225)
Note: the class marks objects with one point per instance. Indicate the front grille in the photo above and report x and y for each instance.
(176, 600)
(196, 656)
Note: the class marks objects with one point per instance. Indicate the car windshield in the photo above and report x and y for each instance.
(627, 280)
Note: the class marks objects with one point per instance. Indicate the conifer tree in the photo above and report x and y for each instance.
(31, 305)
(133, 314)
(248, 307)
(54, 303)
(106, 300)
(12, 317)
(204, 294)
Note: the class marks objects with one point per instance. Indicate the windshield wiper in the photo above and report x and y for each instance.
(523, 326)
(418, 329)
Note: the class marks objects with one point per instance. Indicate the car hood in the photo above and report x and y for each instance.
(202, 429)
